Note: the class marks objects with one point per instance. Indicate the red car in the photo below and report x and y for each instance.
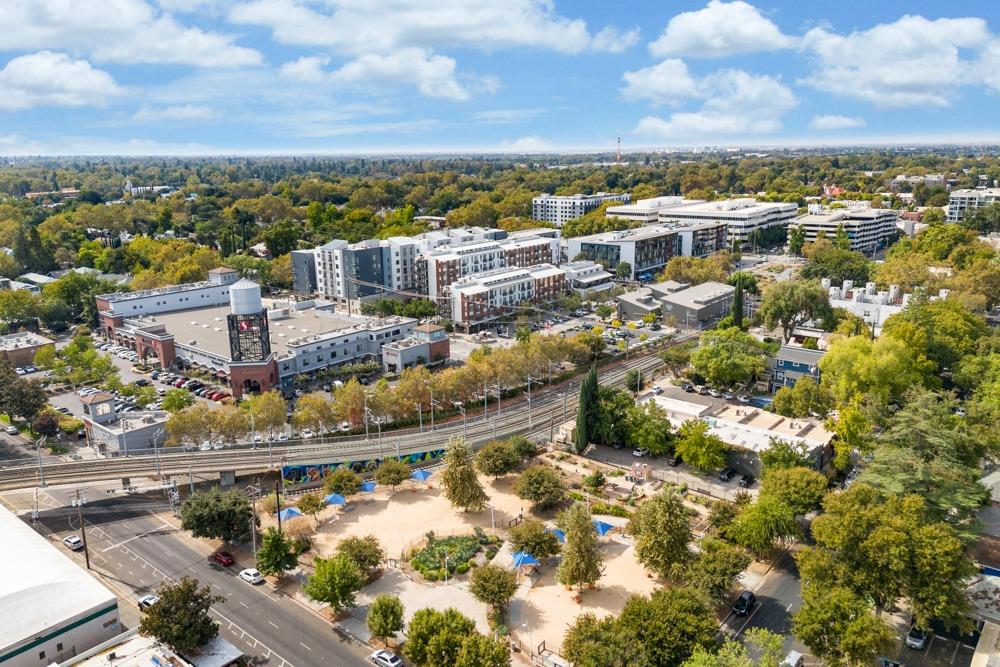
(221, 397)
(223, 558)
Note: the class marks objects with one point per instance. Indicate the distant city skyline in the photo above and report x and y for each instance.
(202, 77)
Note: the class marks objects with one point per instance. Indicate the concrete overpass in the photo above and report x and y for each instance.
(549, 408)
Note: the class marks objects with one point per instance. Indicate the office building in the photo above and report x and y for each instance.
(680, 304)
(646, 211)
(482, 297)
(559, 209)
(904, 182)
(869, 229)
(960, 201)
(211, 292)
(114, 434)
(51, 609)
(585, 277)
(746, 218)
(427, 346)
(19, 349)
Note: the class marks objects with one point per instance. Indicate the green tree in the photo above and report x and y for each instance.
(839, 628)
(737, 312)
(760, 526)
(729, 357)
(670, 624)
(648, 427)
(586, 416)
(857, 368)
(385, 616)
(461, 484)
(20, 398)
(791, 303)
(733, 653)
(944, 330)
(480, 651)
(531, 536)
(176, 400)
(854, 434)
(826, 261)
(45, 423)
(541, 485)
(716, 569)
(662, 531)
(267, 410)
(676, 358)
(434, 638)
(365, 552)
(335, 581)
(698, 447)
(805, 399)
(582, 559)
(593, 642)
(342, 480)
(783, 454)
(180, 617)
(799, 488)
(392, 472)
(276, 554)
(493, 585)
(311, 504)
(217, 514)
(497, 458)
(796, 239)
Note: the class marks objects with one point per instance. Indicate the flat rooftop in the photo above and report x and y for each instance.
(699, 295)
(135, 650)
(21, 340)
(43, 588)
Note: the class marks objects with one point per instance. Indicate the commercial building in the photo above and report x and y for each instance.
(19, 349)
(249, 343)
(211, 292)
(50, 608)
(679, 303)
(131, 649)
(114, 434)
(746, 218)
(483, 297)
(428, 346)
(789, 363)
(646, 211)
(904, 182)
(585, 277)
(869, 229)
(559, 209)
(960, 201)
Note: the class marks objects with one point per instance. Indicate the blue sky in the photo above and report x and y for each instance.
(340, 76)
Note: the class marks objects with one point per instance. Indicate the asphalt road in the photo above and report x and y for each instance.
(137, 549)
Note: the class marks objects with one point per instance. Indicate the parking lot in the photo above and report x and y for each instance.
(940, 651)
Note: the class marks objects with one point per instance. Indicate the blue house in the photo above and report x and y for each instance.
(790, 363)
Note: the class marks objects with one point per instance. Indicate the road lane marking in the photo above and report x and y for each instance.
(273, 623)
(136, 537)
(304, 646)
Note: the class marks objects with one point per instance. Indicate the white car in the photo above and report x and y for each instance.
(11, 430)
(282, 437)
(640, 452)
(251, 576)
(73, 542)
(147, 601)
(345, 426)
(307, 433)
(385, 658)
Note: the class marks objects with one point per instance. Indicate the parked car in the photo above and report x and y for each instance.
(794, 659)
(385, 658)
(702, 390)
(251, 576)
(742, 398)
(688, 387)
(73, 542)
(714, 393)
(223, 558)
(674, 460)
(640, 452)
(147, 601)
(744, 603)
(917, 638)
(282, 437)
(657, 389)
(746, 481)
(30, 369)
(726, 474)
(11, 430)
(307, 433)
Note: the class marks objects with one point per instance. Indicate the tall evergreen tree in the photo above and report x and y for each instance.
(581, 562)
(461, 484)
(586, 415)
(738, 301)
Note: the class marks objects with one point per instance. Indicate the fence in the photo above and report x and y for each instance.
(692, 484)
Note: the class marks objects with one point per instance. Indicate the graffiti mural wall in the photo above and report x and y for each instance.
(312, 473)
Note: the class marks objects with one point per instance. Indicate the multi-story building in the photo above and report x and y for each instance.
(211, 292)
(960, 201)
(559, 209)
(646, 211)
(480, 298)
(304, 271)
(745, 218)
(586, 277)
(446, 265)
(428, 346)
(19, 349)
(869, 229)
(902, 181)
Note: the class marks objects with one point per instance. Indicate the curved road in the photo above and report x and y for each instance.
(549, 407)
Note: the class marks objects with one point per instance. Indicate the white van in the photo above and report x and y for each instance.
(794, 659)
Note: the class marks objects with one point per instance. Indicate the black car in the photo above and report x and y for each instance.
(726, 474)
(673, 460)
(746, 481)
(688, 387)
(655, 326)
(744, 603)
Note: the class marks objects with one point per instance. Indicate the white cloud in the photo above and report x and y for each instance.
(612, 40)
(719, 30)
(507, 115)
(121, 31)
(308, 69)
(735, 102)
(53, 79)
(527, 144)
(180, 112)
(910, 62)
(665, 83)
(433, 75)
(834, 122)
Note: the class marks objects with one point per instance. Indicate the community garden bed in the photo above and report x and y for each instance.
(463, 552)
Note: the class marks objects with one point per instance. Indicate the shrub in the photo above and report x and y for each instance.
(460, 550)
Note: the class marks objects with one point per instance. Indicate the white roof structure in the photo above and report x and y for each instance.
(43, 588)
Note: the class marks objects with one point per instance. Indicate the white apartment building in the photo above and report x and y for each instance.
(646, 211)
(479, 298)
(869, 229)
(960, 201)
(744, 216)
(559, 209)
(585, 277)
(446, 265)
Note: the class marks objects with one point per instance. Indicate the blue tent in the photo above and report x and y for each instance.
(289, 513)
(558, 533)
(522, 558)
(368, 487)
(335, 499)
(601, 527)
(420, 475)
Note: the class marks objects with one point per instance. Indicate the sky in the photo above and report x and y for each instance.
(192, 77)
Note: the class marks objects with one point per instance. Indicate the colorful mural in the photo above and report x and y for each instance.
(312, 473)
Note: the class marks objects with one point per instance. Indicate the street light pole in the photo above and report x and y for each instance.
(156, 452)
(83, 528)
(366, 415)
(38, 453)
(432, 410)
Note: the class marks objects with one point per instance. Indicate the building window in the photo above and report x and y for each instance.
(41, 655)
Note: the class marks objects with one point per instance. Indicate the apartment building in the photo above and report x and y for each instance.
(446, 265)
(478, 299)
(960, 201)
(745, 217)
(559, 209)
(585, 277)
(869, 229)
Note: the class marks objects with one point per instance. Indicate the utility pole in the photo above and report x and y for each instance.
(83, 528)
(41, 470)
(432, 410)
(277, 498)
(529, 401)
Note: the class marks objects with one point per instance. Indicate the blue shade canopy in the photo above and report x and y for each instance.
(368, 487)
(289, 513)
(335, 499)
(420, 475)
(558, 533)
(602, 527)
(523, 558)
